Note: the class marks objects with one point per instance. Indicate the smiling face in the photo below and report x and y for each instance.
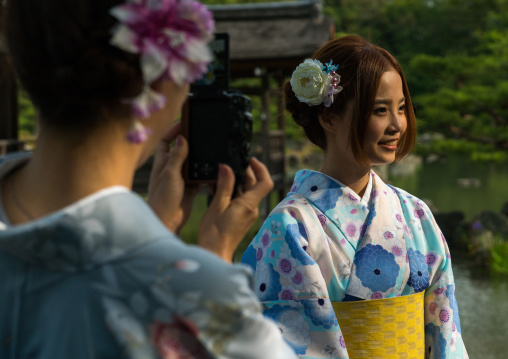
(388, 120)
(384, 128)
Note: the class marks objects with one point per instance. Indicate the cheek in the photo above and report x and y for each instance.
(374, 131)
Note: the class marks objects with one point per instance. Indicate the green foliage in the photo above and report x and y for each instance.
(26, 117)
(455, 57)
(499, 257)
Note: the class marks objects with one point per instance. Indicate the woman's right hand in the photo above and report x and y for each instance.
(228, 219)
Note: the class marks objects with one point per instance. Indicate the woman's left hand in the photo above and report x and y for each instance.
(168, 195)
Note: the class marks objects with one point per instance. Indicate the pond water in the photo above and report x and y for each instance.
(457, 184)
(483, 307)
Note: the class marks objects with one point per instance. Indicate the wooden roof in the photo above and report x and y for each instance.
(272, 35)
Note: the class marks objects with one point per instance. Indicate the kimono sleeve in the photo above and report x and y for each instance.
(289, 283)
(183, 302)
(443, 334)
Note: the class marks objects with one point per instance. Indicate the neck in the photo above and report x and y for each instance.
(63, 171)
(350, 174)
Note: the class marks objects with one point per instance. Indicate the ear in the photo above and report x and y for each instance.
(328, 122)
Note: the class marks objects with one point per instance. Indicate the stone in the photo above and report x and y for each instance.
(448, 223)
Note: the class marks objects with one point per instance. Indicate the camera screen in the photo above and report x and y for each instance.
(209, 128)
(218, 70)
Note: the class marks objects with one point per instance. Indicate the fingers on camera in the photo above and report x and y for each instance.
(264, 182)
(178, 153)
(174, 131)
(224, 188)
(250, 180)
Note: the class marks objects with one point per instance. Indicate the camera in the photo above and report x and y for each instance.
(217, 122)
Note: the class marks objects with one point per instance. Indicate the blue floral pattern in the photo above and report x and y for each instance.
(298, 251)
(324, 252)
(376, 268)
(320, 312)
(249, 257)
(267, 282)
(322, 191)
(450, 293)
(419, 275)
(292, 325)
(435, 343)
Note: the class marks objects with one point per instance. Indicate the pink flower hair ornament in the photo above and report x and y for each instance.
(172, 38)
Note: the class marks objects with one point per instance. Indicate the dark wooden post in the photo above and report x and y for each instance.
(265, 130)
(8, 101)
(8, 97)
(282, 128)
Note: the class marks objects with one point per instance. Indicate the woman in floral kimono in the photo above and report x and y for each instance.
(342, 238)
(89, 270)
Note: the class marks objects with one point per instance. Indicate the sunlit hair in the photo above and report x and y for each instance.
(361, 65)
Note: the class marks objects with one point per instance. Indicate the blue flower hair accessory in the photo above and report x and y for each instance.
(315, 83)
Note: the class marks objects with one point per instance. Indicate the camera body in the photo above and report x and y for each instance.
(219, 130)
(217, 122)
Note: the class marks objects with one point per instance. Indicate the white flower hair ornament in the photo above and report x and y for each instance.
(315, 83)
(172, 38)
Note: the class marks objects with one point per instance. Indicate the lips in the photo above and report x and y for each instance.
(389, 145)
(392, 142)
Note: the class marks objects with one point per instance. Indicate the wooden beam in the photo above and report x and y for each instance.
(263, 40)
(268, 10)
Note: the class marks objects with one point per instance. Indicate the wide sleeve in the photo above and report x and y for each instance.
(431, 267)
(175, 301)
(290, 285)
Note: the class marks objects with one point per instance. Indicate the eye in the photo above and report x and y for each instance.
(380, 110)
(402, 107)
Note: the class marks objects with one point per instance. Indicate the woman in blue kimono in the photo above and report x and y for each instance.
(89, 270)
(344, 247)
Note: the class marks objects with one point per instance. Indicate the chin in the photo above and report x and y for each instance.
(382, 160)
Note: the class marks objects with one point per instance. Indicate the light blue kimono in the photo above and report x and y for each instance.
(103, 278)
(323, 244)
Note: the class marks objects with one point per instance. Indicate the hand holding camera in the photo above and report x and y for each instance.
(168, 194)
(228, 219)
(214, 149)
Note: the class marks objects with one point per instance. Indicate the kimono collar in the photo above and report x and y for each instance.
(311, 184)
(90, 232)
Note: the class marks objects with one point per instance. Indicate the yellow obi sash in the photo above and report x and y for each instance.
(390, 328)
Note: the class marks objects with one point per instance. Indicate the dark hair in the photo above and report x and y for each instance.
(361, 65)
(61, 53)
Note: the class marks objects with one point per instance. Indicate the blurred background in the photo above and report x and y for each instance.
(455, 57)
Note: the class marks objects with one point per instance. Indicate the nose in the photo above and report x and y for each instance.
(397, 122)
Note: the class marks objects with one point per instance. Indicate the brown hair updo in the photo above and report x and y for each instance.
(62, 56)
(361, 65)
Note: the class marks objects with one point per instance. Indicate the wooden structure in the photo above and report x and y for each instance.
(8, 99)
(267, 41)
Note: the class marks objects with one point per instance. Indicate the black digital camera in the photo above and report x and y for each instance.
(217, 122)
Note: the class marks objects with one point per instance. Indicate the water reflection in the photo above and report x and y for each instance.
(483, 308)
(441, 183)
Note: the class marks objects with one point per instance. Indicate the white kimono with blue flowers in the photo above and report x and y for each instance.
(323, 244)
(103, 278)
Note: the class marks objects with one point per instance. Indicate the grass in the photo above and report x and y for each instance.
(499, 257)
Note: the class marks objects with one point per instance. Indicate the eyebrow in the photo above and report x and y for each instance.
(387, 102)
